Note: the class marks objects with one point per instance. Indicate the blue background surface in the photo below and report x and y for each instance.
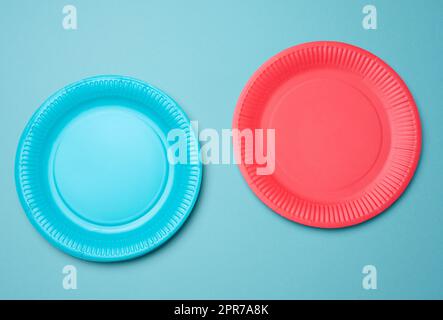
(202, 53)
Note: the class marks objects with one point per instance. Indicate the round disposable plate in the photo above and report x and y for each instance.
(347, 134)
(93, 172)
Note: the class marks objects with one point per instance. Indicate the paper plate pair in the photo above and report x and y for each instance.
(96, 175)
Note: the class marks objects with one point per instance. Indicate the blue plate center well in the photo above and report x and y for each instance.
(109, 165)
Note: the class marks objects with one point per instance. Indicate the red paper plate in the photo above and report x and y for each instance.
(347, 134)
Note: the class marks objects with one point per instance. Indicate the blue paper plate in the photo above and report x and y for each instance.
(93, 172)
